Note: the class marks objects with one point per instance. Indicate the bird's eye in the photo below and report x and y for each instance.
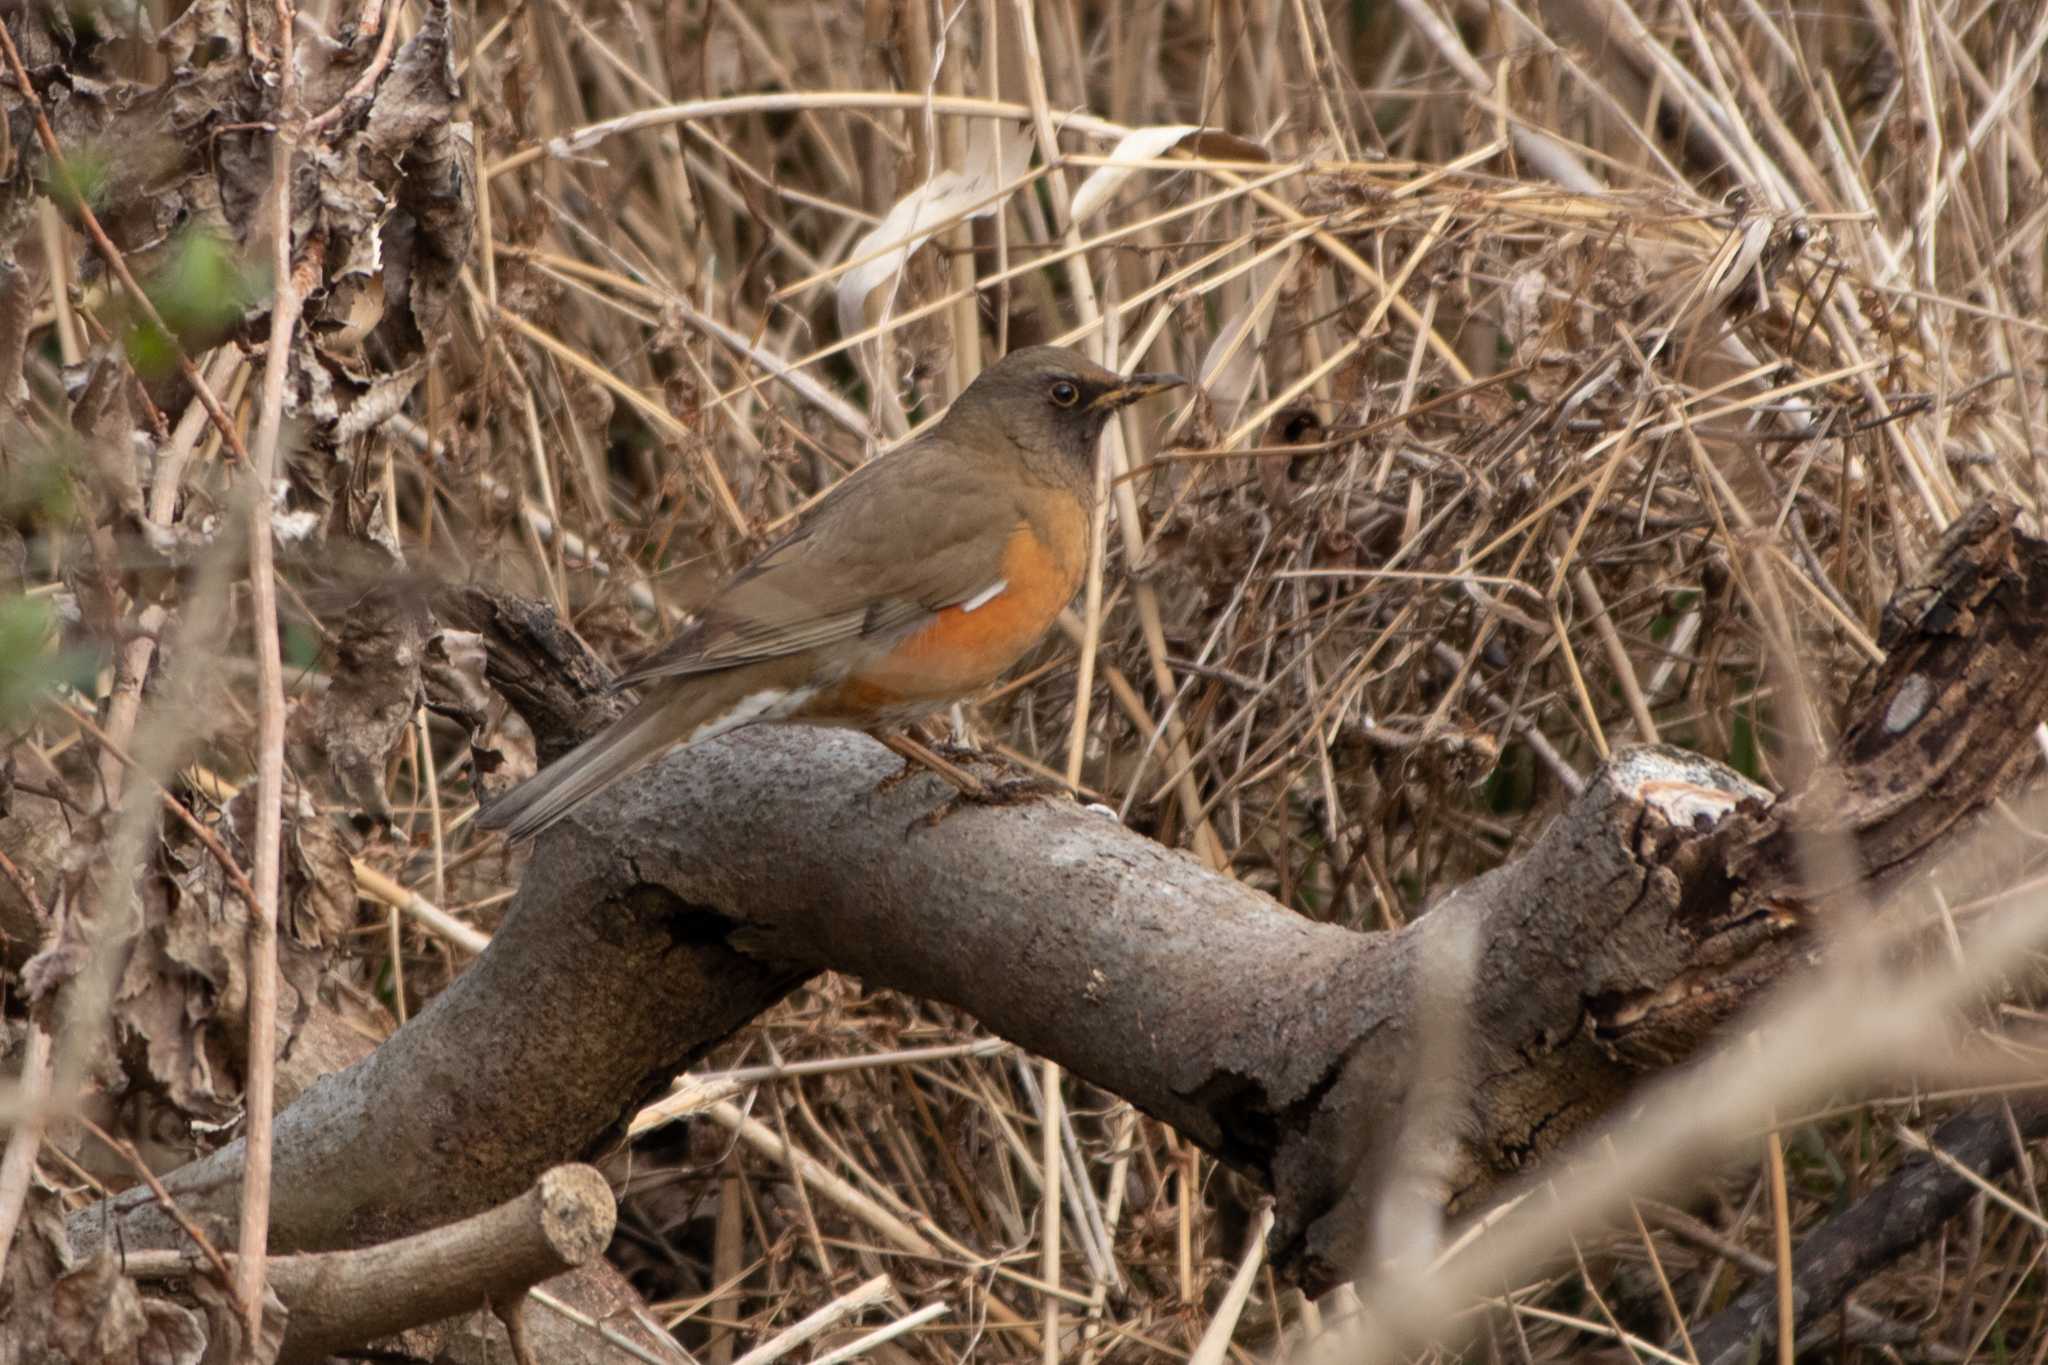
(1065, 393)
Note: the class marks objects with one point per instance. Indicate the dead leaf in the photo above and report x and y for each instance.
(184, 973)
(433, 183)
(384, 395)
(39, 1258)
(207, 33)
(1140, 145)
(96, 1315)
(175, 1335)
(226, 1332)
(351, 730)
(997, 154)
(58, 961)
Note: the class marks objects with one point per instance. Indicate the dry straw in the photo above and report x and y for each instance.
(1573, 375)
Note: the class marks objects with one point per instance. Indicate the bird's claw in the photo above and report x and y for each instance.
(1000, 791)
(911, 768)
(958, 754)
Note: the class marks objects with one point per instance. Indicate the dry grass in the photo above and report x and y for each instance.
(1574, 377)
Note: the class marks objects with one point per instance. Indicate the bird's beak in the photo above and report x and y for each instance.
(1133, 387)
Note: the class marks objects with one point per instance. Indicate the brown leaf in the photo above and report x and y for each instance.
(96, 1315)
(184, 978)
(101, 416)
(52, 967)
(320, 886)
(412, 129)
(39, 1258)
(13, 556)
(207, 34)
(353, 728)
(175, 1335)
(225, 1331)
(1218, 145)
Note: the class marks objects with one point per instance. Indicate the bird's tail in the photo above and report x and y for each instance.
(631, 740)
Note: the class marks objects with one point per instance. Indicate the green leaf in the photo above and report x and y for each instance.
(82, 179)
(39, 485)
(28, 666)
(201, 291)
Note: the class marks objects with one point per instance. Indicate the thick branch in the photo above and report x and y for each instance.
(575, 1016)
(1660, 903)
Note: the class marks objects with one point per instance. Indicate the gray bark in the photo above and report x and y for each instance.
(1470, 1045)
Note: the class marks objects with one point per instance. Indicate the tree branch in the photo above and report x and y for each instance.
(1665, 899)
(341, 1299)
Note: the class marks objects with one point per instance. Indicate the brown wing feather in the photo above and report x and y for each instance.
(897, 541)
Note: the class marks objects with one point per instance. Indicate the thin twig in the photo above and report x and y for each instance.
(261, 473)
(126, 1151)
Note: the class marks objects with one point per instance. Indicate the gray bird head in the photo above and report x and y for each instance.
(1050, 402)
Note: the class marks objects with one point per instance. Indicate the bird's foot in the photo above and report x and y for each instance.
(1000, 791)
(911, 768)
(945, 761)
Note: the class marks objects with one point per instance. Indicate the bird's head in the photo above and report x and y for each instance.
(1051, 402)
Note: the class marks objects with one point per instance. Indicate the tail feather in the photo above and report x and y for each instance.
(641, 734)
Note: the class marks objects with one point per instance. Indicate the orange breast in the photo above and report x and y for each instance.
(959, 652)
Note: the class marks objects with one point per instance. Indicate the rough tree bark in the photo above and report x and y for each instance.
(1665, 899)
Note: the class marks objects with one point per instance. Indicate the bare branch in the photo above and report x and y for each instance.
(344, 1298)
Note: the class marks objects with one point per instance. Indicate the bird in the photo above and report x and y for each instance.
(916, 581)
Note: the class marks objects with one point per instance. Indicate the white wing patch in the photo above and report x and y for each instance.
(986, 595)
(771, 703)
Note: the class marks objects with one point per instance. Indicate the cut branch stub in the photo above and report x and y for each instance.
(1931, 737)
(341, 1299)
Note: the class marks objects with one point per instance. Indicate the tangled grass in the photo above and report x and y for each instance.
(1570, 376)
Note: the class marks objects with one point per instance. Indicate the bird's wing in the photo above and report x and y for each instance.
(874, 560)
